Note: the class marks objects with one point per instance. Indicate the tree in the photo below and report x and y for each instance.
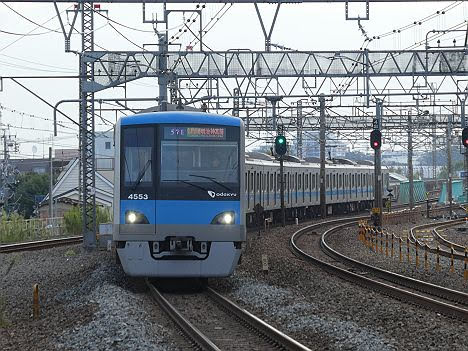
(27, 188)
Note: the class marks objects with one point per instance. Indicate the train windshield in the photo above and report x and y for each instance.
(138, 157)
(199, 161)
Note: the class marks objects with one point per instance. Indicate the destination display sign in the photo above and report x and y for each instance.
(218, 133)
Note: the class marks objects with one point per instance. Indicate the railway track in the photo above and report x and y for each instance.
(212, 322)
(40, 244)
(435, 233)
(447, 301)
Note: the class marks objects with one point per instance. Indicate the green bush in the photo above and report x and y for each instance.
(73, 219)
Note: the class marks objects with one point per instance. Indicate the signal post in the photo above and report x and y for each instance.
(280, 150)
(376, 143)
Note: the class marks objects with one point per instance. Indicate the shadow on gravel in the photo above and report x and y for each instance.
(180, 285)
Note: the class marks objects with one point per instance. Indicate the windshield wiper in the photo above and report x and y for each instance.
(141, 174)
(212, 179)
(185, 182)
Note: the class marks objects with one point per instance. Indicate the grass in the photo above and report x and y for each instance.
(70, 253)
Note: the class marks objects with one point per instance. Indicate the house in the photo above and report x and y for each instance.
(66, 195)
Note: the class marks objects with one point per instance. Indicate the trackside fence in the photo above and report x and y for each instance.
(411, 251)
(21, 230)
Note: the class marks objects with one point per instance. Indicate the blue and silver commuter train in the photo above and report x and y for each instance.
(178, 210)
(188, 190)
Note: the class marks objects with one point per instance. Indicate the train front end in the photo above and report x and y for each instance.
(177, 205)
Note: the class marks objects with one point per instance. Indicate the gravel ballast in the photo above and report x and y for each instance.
(325, 312)
(87, 303)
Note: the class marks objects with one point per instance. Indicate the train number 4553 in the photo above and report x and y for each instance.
(138, 197)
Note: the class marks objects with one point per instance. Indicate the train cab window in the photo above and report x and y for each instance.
(137, 157)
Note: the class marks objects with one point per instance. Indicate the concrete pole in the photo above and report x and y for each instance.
(410, 160)
(162, 78)
(323, 205)
(299, 129)
(434, 147)
(465, 152)
(449, 163)
(51, 185)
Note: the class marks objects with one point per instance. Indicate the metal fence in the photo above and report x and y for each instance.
(20, 230)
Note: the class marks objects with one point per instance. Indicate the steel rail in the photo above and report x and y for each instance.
(266, 329)
(445, 242)
(192, 332)
(439, 306)
(40, 244)
(204, 342)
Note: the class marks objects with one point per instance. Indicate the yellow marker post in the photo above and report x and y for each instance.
(407, 249)
(381, 241)
(36, 301)
(425, 257)
(392, 245)
(386, 244)
(465, 272)
(452, 268)
(417, 255)
(401, 257)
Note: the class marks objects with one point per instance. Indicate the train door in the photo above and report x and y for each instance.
(295, 186)
(305, 180)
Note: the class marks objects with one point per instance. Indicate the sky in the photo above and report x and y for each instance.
(299, 26)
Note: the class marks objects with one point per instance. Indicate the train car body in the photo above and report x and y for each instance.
(178, 211)
(348, 188)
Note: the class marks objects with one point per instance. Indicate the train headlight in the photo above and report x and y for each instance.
(132, 217)
(224, 218)
(135, 217)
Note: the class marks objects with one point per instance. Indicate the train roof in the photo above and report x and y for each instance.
(256, 158)
(174, 117)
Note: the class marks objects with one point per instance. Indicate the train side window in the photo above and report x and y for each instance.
(271, 182)
(313, 181)
(246, 178)
(306, 182)
(334, 181)
(250, 181)
(300, 181)
(328, 180)
(340, 180)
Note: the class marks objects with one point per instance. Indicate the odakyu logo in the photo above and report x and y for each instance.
(214, 194)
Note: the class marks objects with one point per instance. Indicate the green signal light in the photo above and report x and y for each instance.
(281, 140)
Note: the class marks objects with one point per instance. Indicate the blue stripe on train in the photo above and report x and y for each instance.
(179, 212)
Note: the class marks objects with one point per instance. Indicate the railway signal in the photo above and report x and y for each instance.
(280, 145)
(465, 137)
(376, 139)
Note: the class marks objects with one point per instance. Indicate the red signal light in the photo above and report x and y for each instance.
(376, 139)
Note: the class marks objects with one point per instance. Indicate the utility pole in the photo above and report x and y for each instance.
(51, 185)
(410, 159)
(465, 152)
(323, 205)
(449, 163)
(434, 146)
(299, 129)
(162, 78)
